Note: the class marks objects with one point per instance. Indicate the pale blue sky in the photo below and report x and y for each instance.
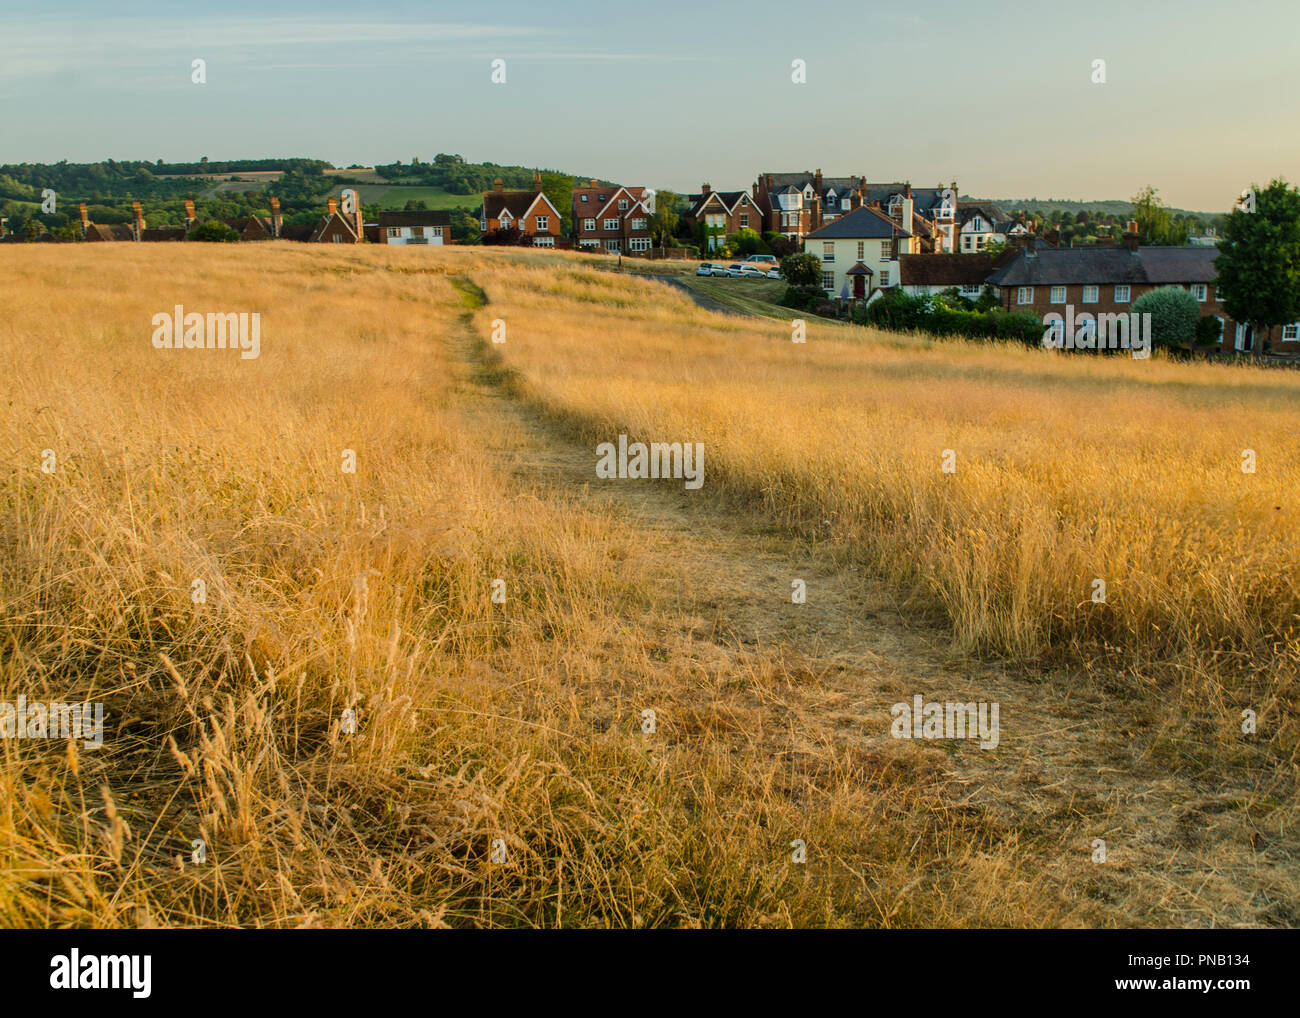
(1201, 98)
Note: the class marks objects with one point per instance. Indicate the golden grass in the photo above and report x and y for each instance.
(1068, 470)
(477, 721)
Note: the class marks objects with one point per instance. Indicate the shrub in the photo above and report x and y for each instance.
(802, 270)
(1174, 315)
(214, 231)
(802, 298)
(1209, 330)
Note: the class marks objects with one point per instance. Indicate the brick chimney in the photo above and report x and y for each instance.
(706, 189)
(817, 182)
(496, 184)
(276, 220)
(1132, 226)
(137, 225)
(537, 180)
(1130, 240)
(593, 182)
(1031, 246)
(189, 215)
(333, 206)
(359, 223)
(85, 221)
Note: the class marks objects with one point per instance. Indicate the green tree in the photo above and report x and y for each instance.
(1174, 315)
(664, 219)
(1156, 223)
(1258, 267)
(214, 231)
(802, 270)
(747, 242)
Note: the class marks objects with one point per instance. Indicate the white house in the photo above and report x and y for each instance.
(861, 250)
(432, 229)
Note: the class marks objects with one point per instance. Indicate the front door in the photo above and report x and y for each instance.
(1245, 338)
(859, 287)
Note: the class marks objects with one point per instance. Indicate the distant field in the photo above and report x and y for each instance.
(395, 197)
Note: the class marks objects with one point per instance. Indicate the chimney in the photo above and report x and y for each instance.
(276, 220)
(85, 221)
(1130, 241)
(537, 180)
(359, 223)
(1132, 226)
(594, 183)
(817, 182)
(706, 189)
(189, 215)
(1031, 243)
(3, 220)
(137, 226)
(496, 184)
(333, 206)
(769, 182)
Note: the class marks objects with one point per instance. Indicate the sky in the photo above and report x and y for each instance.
(1200, 100)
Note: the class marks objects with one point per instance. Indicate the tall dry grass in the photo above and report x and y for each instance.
(1069, 469)
(328, 592)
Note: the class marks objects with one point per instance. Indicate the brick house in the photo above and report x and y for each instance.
(722, 213)
(529, 211)
(861, 250)
(934, 209)
(1107, 280)
(921, 275)
(337, 227)
(249, 227)
(415, 227)
(797, 204)
(610, 218)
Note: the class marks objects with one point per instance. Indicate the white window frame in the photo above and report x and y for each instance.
(1052, 297)
(1024, 294)
(828, 251)
(1294, 328)
(1096, 295)
(1200, 291)
(884, 278)
(828, 285)
(589, 225)
(1123, 293)
(543, 224)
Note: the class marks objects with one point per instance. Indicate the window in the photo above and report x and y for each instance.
(584, 197)
(435, 231)
(505, 218)
(622, 204)
(482, 226)
(612, 224)
(1024, 295)
(639, 244)
(828, 251)
(1290, 333)
(844, 204)
(970, 289)
(886, 250)
(543, 242)
(394, 231)
(965, 242)
(338, 239)
(1121, 294)
(543, 224)
(744, 220)
(417, 231)
(612, 245)
(884, 277)
(1057, 295)
(1091, 294)
(639, 224)
(828, 280)
(862, 249)
(589, 225)
(1199, 291)
(1218, 294)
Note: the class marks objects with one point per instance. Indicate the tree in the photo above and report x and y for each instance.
(747, 242)
(663, 221)
(1156, 223)
(802, 270)
(214, 231)
(1174, 315)
(1258, 267)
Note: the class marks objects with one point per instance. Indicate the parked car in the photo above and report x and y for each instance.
(773, 273)
(748, 271)
(720, 270)
(705, 269)
(763, 261)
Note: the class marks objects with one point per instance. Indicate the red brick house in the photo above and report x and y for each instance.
(610, 218)
(251, 227)
(796, 204)
(1107, 280)
(722, 213)
(529, 211)
(337, 227)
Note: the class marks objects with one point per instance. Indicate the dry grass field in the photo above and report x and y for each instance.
(500, 772)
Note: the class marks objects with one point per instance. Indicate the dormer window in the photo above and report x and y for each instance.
(584, 197)
(622, 204)
(808, 194)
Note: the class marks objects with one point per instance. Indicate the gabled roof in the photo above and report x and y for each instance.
(861, 223)
(945, 270)
(1103, 265)
(728, 199)
(110, 231)
(349, 226)
(516, 202)
(163, 233)
(415, 217)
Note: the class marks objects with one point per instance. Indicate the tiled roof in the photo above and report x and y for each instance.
(863, 222)
(517, 202)
(945, 269)
(1073, 265)
(415, 217)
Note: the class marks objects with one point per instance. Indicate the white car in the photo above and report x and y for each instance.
(747, 271)
(774, 274)
(705, 269)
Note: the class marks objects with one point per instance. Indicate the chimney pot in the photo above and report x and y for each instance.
(496, 184)
(333, 206)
